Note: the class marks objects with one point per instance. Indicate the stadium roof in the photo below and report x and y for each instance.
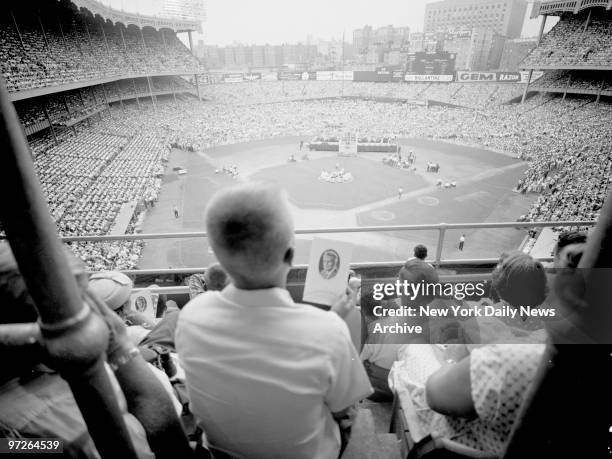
(140, 20)
(558, 7)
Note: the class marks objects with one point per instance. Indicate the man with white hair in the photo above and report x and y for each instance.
(266, 377)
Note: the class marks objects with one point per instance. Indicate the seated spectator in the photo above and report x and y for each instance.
(115, 289)
(213, 278)
(266, 377)
(476, 400)
(380, 349)
(488, 380)
(415, 271)
(36, 402)
(518, 280)
(562, 248)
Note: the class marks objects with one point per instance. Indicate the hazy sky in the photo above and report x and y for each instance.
(292, 21)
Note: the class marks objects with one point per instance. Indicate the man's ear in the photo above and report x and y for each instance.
(288, 258)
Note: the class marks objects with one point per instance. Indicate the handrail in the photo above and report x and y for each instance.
(357, 265)
(182, 289)
(442, 228)
(361, 229)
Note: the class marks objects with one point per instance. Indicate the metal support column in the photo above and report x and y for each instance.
(74, 338)
(190, 42)
(46, 112)
(601, 86)
(136, 92)
(151, 93)
(120, 96)
(440, 245)
(569, 82)
(105, 40)
(59, 23)
(88, 34)
(527, 86)
(122, 37)
(108, 107)
(541, 33)
(197, 85)
(43, 32)
(17, 29)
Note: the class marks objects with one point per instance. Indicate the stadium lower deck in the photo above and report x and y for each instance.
(483, 194)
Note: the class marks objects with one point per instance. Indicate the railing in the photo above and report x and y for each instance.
(442, 228)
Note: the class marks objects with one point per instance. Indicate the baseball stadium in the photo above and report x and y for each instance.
(120, 143)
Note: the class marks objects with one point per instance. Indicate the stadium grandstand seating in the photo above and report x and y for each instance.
(38, 49)
(576, 53)
(575, 81)
(582, 40)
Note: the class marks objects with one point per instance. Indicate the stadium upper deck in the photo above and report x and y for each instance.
(577, 52)
(49, 47)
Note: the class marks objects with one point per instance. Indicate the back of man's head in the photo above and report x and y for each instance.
(215, 277)
(250, 229)
(420, 251)
(566, 244)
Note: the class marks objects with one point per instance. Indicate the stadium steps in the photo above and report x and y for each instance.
(366, 440)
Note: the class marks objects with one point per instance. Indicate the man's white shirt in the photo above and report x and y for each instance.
(264, 374)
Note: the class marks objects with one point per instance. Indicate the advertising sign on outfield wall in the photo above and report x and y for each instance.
(335, 75)
(252, 76)
(429, 78)
(371, 76)
(525, 75)
(476, 77)
(397, 75)
(271, 76)
(233, 77)
(289, 76)
(480, 77)
(509, 77)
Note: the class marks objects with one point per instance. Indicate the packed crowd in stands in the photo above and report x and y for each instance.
(87, 180)
(464, 94)
(79, 47)
(561, 139)
(561, 80)
(582, 39)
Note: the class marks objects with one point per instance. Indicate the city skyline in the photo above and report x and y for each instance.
(230, 22)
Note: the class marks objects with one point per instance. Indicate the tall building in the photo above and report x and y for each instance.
(361, 39)
(426, 42)
(376, 46)
(475, 49)
(183, 9)
(515, 51)
(258, 53)
(504, 17)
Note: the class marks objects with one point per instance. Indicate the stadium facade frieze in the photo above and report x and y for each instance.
(122, 17)
(558, 7)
